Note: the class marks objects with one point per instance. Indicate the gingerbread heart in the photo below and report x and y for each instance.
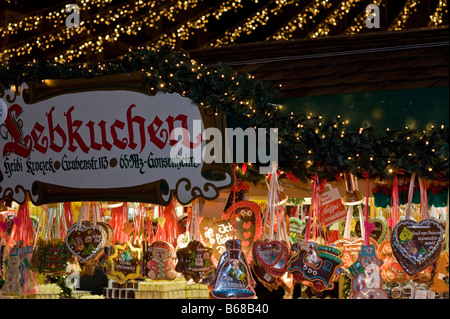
(86, 240)
(273, 256)
(416, 246)
(246, 226)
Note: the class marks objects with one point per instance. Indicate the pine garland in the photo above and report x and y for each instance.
(307, 145)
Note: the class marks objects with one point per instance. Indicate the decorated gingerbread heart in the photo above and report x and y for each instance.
(85, 240)
(273, 256)
(194, 261)
(315, 265)
(124, 262)
(416, 246)
(269, 261)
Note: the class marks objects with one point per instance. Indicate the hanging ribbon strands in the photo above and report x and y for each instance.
(168, 228)
(271, 255)
(119, 218)
(368, 226)
(22, 230)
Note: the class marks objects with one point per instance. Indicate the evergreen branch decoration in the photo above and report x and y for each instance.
(306, 145)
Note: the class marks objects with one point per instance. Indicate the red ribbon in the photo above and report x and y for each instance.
(22, 229)
(424, 200)
(170, 231)
(366, 211)
(119, 216)
(244, 168)
(292, 177)
(394, 201)
(240, 186)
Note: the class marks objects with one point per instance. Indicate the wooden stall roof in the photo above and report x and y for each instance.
(380, 61)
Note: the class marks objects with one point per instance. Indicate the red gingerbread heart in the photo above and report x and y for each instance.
(273, 256)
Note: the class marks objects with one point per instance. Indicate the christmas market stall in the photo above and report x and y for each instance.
(104, 173)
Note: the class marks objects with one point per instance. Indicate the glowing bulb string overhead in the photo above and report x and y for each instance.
(333, 18)
(132, 27)
(250, 24)
(90, 22)
(360, 21)
(191, 23)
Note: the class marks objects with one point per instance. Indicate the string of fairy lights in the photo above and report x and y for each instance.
(54, 14)
(333, 18)
(153, 13)
(437, 17)
(197, 22)
(359, 23)
(259, 18)
(132, 27)
(305, 15)
(406, 12)
(104, 24)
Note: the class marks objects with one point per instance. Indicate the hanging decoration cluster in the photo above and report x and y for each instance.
(306, 144)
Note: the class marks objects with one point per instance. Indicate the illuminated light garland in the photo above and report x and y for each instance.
(259, 18)
(333, 18)
(96, 44)
(227, 6)
(184, 31)
(129, 19)
(359, 23)
(409, 8)
(52, 14)
(308, 13)
(436, 18)
(61, 33)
